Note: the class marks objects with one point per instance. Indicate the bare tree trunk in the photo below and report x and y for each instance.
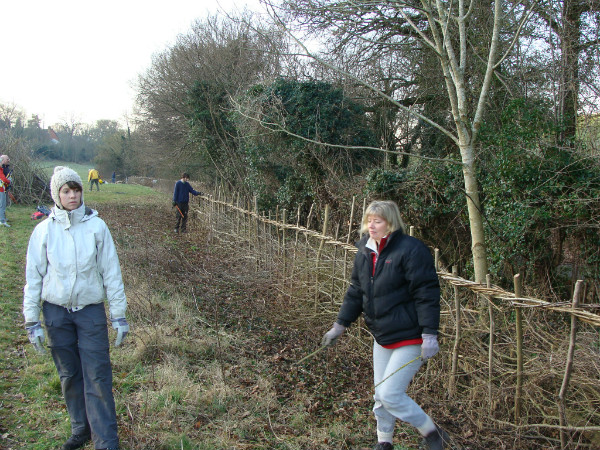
(562, 408)
(569, 83)
(453, 65)
(475, 221)
(446, 34)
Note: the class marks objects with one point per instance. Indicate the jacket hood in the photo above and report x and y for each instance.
(70, 218)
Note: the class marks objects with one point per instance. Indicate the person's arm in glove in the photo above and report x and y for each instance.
(36, 336)
(429, 347)
(122, 328)
(332, 335)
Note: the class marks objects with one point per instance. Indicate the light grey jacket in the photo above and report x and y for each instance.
(72, 262)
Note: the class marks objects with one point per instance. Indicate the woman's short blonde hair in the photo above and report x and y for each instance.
(388, 211)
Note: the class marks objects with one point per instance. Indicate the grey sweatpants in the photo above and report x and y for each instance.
(79, 345)
(391, 400)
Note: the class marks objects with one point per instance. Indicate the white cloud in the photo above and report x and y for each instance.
(74, 58)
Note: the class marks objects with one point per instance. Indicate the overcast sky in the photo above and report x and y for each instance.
(77, 58)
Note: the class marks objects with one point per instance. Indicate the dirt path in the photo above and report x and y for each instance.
(210, 362)
(208, 319)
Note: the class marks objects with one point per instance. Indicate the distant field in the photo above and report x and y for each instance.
(108, 191)
(32, 415)
(81, 169)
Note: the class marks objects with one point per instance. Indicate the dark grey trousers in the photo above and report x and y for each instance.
(94, 181)
(182, 216)
(79, 345)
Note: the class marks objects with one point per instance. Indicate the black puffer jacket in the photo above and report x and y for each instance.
(402, 299)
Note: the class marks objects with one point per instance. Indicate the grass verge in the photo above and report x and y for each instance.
(208, 364)
(32, 411)
(28, 381)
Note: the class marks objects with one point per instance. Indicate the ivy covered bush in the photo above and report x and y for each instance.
(541, 202)
(311, 160)
(541, 199)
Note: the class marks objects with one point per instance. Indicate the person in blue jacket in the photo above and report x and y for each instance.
(181, 201)
(395, 288)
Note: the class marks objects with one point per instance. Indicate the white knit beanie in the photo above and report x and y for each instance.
(61, 176)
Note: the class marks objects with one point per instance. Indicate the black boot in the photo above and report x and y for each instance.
(77, 441)
(383, 446)
(437, 440)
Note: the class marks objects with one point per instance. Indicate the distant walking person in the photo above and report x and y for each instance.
(395, 287)
(4, 186)
(93, 177)
(114, 177)
(72, 267)
(181, 201)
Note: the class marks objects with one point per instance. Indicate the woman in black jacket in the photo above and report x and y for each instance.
(396, 289)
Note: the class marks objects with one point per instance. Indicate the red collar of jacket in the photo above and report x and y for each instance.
(375, 255)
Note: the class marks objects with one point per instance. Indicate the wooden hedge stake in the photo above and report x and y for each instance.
(212, 218)
(265, 256)
(453, 376)
(333, 260)
(295, 248)
(237, 216)
(271, 251)
(562, 410)
(491, 345)
(321, 244)
(283, 238)
(256, 234)
(351, 219)
(324, 232)
(308, 219)
(277, 230)
(519, 326)
(348, 238)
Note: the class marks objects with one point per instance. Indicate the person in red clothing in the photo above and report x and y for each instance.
(4, 184)
(396, 289)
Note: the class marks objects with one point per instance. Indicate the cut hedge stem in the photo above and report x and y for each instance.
(398, 370)
(310, 355)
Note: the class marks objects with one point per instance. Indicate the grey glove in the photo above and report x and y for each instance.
(429, 347)
(36, 336)
(332, 335)
(122, 328)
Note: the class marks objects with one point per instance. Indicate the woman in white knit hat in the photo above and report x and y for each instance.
(72, 267)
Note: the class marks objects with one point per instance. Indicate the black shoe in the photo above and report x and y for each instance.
(76, 441)
(383, 446)
(437, 440)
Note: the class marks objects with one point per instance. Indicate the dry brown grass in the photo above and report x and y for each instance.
(307, 284)
(209, 363)
(217, 334)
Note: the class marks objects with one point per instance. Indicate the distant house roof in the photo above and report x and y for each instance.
(53, 136)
